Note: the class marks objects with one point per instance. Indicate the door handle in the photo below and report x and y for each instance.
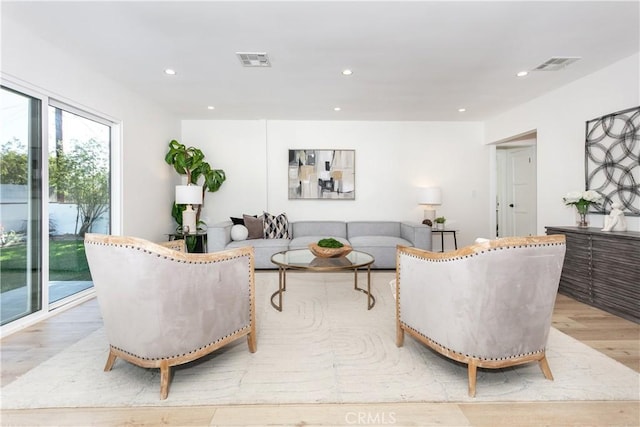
(510, 205)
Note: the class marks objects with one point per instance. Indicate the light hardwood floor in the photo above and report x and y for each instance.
(609, 334)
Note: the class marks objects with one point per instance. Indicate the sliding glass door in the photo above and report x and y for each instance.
(55, 186)
(20, 205)
(79, 195)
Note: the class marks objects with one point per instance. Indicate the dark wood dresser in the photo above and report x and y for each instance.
(602, 269)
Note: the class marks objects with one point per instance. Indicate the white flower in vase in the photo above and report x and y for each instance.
(582, 200)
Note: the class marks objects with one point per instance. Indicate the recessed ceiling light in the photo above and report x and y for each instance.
(347, 72)
(461, 110)
(170, 72)
(211, 107)
(522, 73)
(337, 108)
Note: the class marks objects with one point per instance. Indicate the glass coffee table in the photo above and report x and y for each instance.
(303, 259)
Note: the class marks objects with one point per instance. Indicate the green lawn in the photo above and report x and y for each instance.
(67, 261)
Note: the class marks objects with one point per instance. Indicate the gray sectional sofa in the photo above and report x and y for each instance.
(378, 238)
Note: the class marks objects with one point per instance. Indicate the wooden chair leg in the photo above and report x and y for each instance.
(165, 377)
(544, 365)
(251, 340)
(399, 335)
(110, 361)
(471, 373)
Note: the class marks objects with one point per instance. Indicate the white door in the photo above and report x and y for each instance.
(520, 184)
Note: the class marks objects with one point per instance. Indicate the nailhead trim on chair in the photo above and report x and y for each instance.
(531, 245)
(183, 354)
(491, 359)
(146, 251)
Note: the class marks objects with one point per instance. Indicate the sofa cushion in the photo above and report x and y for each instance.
(263, 249)
(373, 228)
(304, 241)
(276, 227)
(276, 245)
(319, 228)
(360, 242)
(382, 248)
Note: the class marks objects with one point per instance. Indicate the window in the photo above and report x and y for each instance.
(56, 184)
(20, 205)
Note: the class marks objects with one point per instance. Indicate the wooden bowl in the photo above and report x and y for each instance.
(329, 252)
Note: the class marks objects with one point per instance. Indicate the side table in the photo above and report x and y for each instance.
(196, 242)
(442, 232)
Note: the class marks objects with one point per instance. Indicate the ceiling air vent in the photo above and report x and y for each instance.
(254, 59)
(555, 63)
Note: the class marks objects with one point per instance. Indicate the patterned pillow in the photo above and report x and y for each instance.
(276, 227)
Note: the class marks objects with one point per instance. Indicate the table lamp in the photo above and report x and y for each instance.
(430, 196)
(188, 195)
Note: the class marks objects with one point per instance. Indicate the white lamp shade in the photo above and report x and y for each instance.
(430, 196)
(188, 194)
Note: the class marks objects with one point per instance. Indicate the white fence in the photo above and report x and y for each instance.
(63, 217)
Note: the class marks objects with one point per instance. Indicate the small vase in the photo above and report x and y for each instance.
(583, 222)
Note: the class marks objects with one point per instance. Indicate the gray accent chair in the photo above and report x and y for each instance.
(164, 307)
(488, 305)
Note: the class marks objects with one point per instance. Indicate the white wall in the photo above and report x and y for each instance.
(145, 129)
(238, 147)
(559, 118)
(393, 159)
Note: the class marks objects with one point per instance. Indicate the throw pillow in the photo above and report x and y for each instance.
(239, 232)
(255, 226)
(237, 221)
(276, 227)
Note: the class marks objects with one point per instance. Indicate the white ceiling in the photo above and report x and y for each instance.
(416, 60)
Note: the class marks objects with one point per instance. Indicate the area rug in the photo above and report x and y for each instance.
(325, 347)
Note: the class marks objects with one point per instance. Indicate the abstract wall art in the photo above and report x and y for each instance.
(612, 160)
(322, 174)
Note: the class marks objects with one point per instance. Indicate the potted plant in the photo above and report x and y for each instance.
(440, 222)
(189, 161)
